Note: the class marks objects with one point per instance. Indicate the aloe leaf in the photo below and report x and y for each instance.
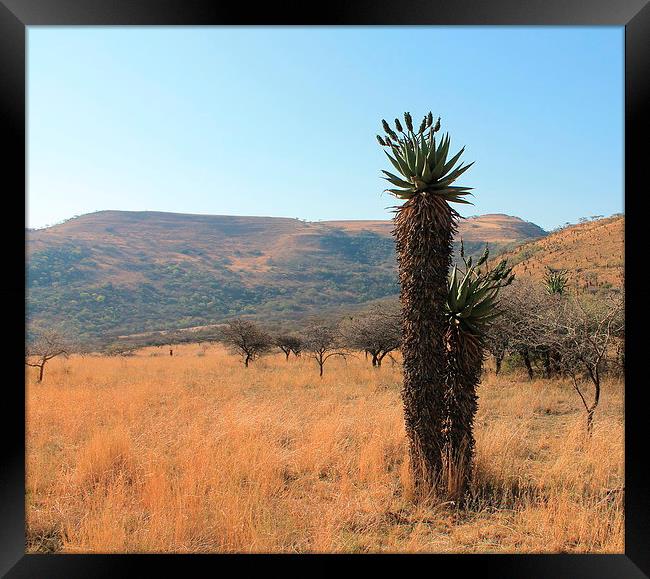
(410, 159)
(401, 193)
(453, 289)
(425, 147)
(426, 172)
(484, 257)
(459, 200)
(467, 312)
(419, 160)
(442, 153)
(395, 180)
(396, 163)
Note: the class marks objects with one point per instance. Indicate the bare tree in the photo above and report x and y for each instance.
(530, 305)
(377, 332)
(498, 340)
(45, 345)
(587, 329)
(247, 339)
(321, 342)
(288, 343)
(523, 327)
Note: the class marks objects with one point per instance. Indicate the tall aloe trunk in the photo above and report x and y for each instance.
(464, 360)
(471, 305)
(424, 230)
(443, 320)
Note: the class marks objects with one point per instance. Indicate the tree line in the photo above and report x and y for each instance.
(376, 332)
(554, 332)
(542, 328)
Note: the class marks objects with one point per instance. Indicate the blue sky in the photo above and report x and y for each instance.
(281, 121)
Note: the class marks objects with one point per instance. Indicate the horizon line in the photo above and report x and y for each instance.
(47, 226)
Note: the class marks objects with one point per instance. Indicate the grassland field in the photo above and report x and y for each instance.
(194, 453)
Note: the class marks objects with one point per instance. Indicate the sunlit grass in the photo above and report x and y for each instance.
(194, 453)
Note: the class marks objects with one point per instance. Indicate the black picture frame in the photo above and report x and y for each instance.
(16, 15)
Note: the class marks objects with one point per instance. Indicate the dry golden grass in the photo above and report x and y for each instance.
(592, 252)
(194, 453)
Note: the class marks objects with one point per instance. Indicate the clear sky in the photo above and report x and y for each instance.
(281, 121)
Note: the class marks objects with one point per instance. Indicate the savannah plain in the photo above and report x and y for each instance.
(194, 453)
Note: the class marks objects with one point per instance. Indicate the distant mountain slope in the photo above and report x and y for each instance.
(592, 252)
(115, 272)
(491, 227)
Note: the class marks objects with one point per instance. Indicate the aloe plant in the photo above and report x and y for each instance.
(556, 280)
(422, 163)
(424, 226)
(472, 303)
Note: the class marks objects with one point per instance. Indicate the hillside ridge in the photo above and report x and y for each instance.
(592, 253)
(121, 272)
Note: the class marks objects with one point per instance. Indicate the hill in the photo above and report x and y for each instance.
(117, 272)
(591, 252)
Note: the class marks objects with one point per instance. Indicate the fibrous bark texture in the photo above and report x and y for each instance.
(464, 360)
(424, 230)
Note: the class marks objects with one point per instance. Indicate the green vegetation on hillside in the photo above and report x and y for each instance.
(115, 273)
(63, 288)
